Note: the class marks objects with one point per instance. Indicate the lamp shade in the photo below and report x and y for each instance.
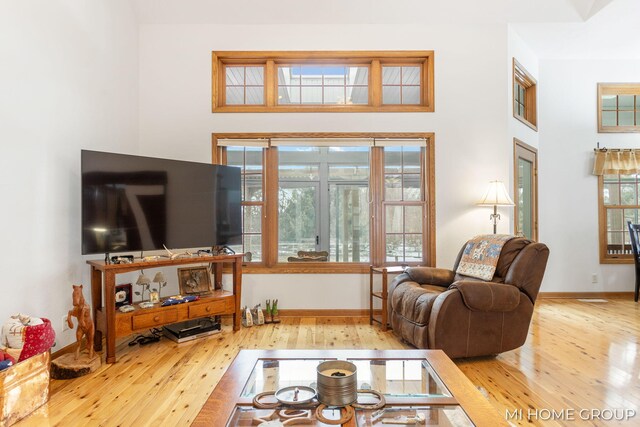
(496, 195)
(159, 277)
(143, 280)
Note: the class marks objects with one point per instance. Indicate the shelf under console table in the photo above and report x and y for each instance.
(114, 324)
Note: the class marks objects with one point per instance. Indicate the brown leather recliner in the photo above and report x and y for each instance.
(436, 308)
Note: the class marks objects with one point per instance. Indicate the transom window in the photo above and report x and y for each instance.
(309, 203)
(323, 81)
(401, 85)
(244, 85)
(619, 107)
(323, 84)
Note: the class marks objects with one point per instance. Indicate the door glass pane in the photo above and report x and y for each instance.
(297, 224)
(525, 197)
(349, 222)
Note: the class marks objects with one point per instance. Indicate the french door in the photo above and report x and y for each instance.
(525, 190)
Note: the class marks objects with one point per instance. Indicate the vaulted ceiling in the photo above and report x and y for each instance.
(552, 28)
(364, 11)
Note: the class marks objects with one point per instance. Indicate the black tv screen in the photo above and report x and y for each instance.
(134, 203)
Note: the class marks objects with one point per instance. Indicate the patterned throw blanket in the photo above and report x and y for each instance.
(480, 256)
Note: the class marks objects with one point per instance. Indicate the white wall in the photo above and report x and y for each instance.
(568, 192)
(472, 144)
(68, 79)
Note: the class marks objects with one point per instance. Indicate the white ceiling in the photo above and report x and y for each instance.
(612, 32)
(358, 11)
(552, 28)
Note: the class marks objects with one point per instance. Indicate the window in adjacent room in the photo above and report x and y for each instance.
(350, 200)
(524, 96)
(321, 81)
(618, 107)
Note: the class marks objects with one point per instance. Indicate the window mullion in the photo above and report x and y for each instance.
(270, 235)
(271, 84)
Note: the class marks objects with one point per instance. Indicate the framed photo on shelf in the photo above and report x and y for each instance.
(194, 281)
(123, 295)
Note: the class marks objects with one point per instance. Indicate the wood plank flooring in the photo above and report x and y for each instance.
(579, 355)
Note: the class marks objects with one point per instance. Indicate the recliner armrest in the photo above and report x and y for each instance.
(431, 275)
(488, 296)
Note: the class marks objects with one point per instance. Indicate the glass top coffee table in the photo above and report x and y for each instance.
(416, 384)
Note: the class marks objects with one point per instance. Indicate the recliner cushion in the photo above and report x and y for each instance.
(414, 302)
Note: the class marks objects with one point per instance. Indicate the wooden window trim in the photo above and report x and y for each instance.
(270, 264)
(606, 258)
(530, 85)
(519, 148)
(373, 59)
(617, 89)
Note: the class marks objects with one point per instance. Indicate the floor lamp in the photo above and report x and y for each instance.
(495, 196)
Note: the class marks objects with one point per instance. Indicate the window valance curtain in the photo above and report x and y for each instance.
(614, 162)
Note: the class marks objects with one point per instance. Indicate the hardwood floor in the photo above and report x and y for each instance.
(579, 355)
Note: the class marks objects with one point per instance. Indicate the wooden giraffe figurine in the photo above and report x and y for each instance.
(82, 312)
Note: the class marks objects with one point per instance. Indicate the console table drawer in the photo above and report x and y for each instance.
(208, 309)
(150, 320)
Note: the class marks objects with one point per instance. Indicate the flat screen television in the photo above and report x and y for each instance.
(134, 203)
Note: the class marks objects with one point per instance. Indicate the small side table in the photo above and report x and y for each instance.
(384, 321)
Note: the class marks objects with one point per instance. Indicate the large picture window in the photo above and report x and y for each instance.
(314, 204)
(322, 81)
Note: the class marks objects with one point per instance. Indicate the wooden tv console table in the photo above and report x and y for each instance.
(114, 324)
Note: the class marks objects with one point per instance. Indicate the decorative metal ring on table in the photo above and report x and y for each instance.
(344, 419)
(294, 413)
(261, 405)
(380, 404)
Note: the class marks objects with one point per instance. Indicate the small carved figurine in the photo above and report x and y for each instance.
(82, 312)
